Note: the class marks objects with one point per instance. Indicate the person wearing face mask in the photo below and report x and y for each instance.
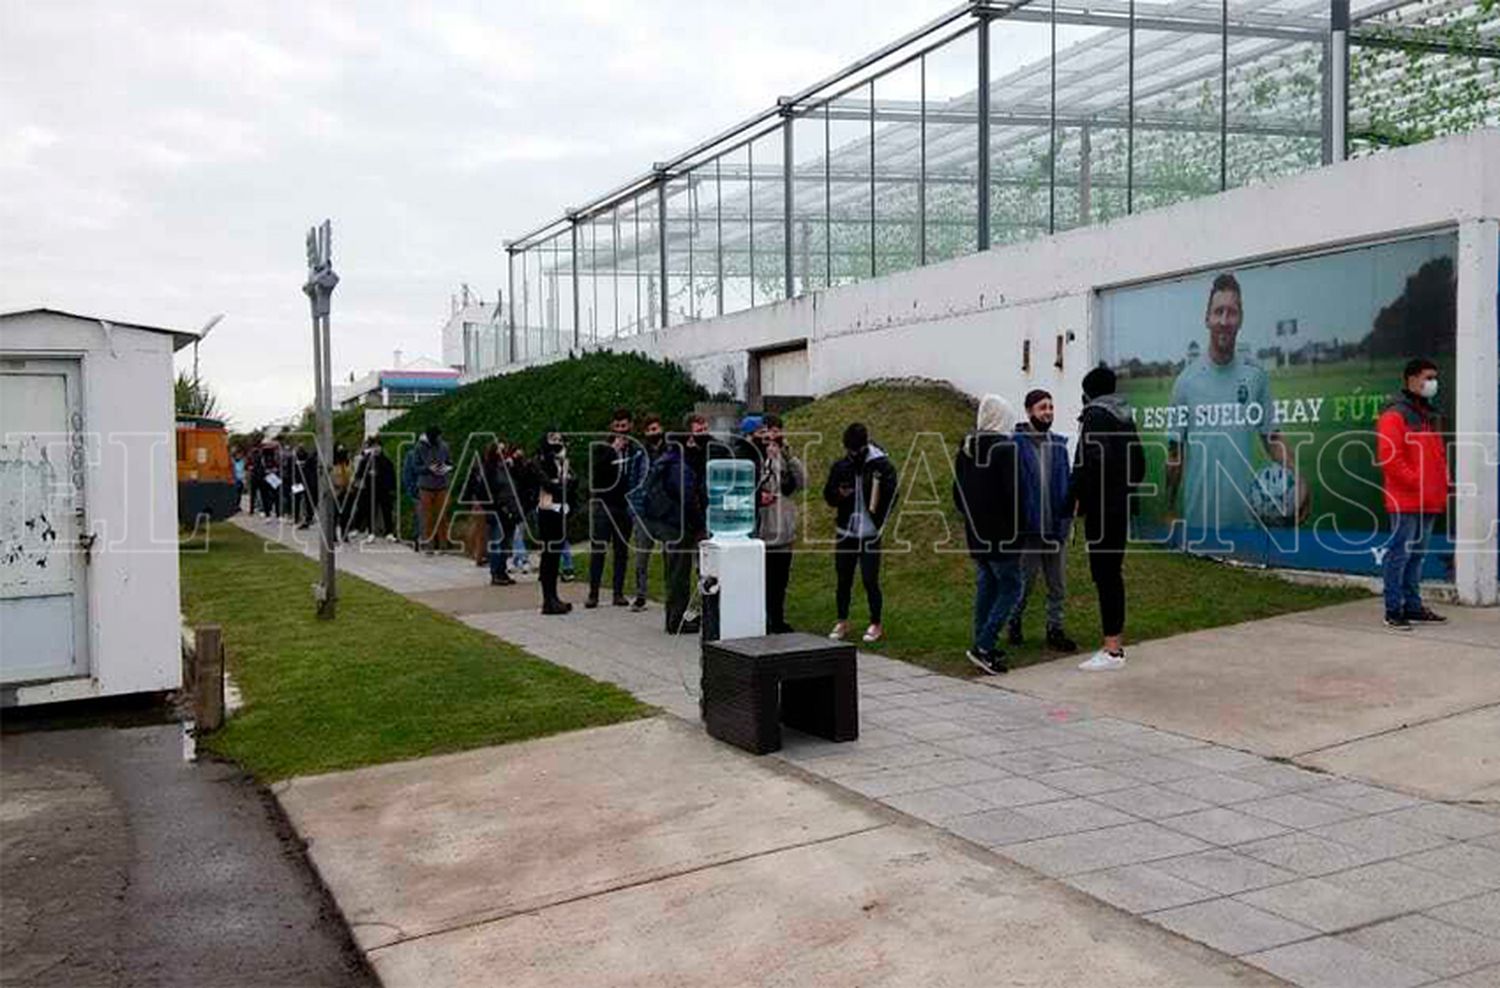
(433, 464)
(1045, 517)
(861, 488)
(1414, 462)
(609, 513)
(555, 488)
(1108, 466)
(641, 459)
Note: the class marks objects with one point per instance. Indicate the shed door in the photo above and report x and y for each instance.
(43, 598)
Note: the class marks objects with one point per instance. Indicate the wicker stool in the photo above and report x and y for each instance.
(751, 686)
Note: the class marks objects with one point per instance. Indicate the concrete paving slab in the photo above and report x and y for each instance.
(889, 907)
(1469, 768)
(1328, 962)
(1225, 871)
(1469, 862)
(1231, 926)
(1480, 914)
(1318, 903)
(1428, 944)
(1291, 684)
(416, 847)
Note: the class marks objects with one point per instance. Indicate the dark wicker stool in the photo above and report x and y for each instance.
(751, 686)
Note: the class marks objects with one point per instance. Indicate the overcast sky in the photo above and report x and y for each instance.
(161, 163)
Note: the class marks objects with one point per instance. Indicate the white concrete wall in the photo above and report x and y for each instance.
(130, 493)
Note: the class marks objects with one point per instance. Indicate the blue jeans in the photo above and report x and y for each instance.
(518, 556)
(996, 591)
(1402, 567)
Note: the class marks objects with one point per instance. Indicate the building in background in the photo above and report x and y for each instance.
(474, 335)
(405, 383)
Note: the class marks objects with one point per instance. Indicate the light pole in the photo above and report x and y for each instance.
(201, 334)
(321, 281)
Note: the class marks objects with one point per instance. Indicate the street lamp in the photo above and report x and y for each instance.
(201, 334)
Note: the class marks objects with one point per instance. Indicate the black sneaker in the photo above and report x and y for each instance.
(1058, 641)
(1425, 615)
(690, 626)
(556, 607)
(619, 600)
(568, 576)
(592, 601)
(638, 605)
(1014, 636)
(503, 580)
(991, 662)
(1397, 622)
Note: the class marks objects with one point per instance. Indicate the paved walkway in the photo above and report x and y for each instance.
(1311, 876)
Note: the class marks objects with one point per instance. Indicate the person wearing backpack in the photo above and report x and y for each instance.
(673, 512)
(782, 477)
(986, 494)
(556, 487)
(644, 545)
(1107, 467)
(861, 488)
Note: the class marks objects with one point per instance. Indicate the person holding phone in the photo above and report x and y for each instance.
(861, 488)
(555, 490)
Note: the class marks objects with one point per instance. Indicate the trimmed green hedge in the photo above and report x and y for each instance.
(575, 395)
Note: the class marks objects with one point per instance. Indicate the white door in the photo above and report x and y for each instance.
(43, 597)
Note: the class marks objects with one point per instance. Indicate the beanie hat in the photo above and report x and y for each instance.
(1035, 395)
(1098, 382)
(749, 424)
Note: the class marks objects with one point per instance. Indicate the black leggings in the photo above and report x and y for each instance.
(1106, 565)
(778, 575)
(864, 553)
(551, 531)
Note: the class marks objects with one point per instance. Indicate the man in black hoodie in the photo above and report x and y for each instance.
(861, 488)
(1107, 466)
(986, 493)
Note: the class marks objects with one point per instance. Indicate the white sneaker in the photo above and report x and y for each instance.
(1102, 661)
(840, 631)
(369, 538)
(872, 634)
(391, 537)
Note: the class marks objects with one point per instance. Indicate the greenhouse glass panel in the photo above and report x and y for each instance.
(705, 212)
(1176, 117)
(1020, 130)
(898, 152)
(1093, 68)
(810, 201)
(951, 149)
(850, 179)
(734, 206)
(678, 227)
(1275, 109)
(770, 217)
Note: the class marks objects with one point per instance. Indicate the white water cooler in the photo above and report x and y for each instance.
(732, 577)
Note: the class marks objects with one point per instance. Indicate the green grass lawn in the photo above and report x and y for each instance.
(387, 680)
(928, 586)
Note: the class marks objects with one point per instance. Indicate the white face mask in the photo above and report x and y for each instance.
(1430, 389)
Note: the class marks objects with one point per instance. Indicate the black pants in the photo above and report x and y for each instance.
(679, 566)
(610, 527)
(1106, 566)
(864, 553)
(778, 574)
(551, 532)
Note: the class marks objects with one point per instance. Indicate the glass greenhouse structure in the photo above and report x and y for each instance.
(992, 124)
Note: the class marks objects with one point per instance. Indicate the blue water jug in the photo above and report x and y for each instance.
(731, 498)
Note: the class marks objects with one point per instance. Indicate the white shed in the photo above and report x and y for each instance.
(88, 508)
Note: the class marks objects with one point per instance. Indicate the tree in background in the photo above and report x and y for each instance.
(194, 398)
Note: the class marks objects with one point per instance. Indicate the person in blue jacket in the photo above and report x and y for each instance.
(1046, 516)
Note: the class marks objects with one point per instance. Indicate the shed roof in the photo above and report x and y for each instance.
(180, 338)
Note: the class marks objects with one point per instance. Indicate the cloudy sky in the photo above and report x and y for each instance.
(161, 162)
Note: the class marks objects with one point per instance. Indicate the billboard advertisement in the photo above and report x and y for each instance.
(1256, 390)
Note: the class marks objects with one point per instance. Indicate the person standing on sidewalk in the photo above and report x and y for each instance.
(782, 477)
(609, 511)
(985, 491)
(861, 488)
(641, 539)
(1414, 462)
(1045, 517)
(1107, 466)
(433, 464)
(674, 514)
(556, 486)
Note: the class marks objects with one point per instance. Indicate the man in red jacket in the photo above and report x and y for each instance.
(1410, 452)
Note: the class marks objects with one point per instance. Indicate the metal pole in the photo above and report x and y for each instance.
(1052, 127)
(1338, 77)
(510, 281)
(661, 240)
(922, 164)
(873, 266)
(786, 210)
(1223, 96)
(573, 247)
(1130, 117)
(983, 109)
(321, 282)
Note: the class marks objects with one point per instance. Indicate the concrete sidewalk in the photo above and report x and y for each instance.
(644, 854)
(1313, 877)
